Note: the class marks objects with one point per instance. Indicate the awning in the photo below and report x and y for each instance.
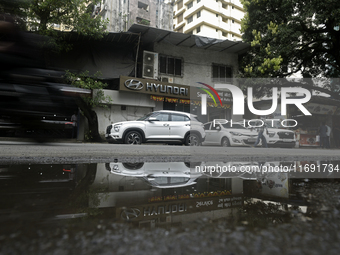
(151, 35)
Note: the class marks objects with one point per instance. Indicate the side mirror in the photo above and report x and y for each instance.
(152, 119)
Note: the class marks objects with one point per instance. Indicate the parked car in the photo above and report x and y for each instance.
(276, 136)
(238, 135)
(157, 174)
(228, 135)
(160, 126)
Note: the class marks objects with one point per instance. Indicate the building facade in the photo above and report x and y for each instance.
(172, 66)
(123, 13)
(171, 69)
(219, 19)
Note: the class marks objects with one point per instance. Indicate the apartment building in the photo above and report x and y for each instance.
(124, 13)
(219, 19)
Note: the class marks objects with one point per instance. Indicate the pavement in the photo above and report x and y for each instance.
(77, 152)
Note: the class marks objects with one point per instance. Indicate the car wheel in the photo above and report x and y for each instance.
(225, 142)
(133, 137)
(192, 140)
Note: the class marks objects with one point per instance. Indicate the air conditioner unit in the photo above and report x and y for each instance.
(96, 9)
(150, 65)
(167, 79)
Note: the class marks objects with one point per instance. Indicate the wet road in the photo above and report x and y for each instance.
(86, 153)
(68, 203)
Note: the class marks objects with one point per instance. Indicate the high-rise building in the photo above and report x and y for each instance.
(219, 19)
(124, 13)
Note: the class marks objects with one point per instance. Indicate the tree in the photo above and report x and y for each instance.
(44, 16)
(75, 15)
(293, 36)
(86, 104)
(71, 14)
(17, 10)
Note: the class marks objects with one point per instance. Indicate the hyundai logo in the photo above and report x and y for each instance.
(130, 213)
(134, 84)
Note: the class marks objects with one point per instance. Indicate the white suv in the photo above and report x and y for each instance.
(157, 174)
(160, 126)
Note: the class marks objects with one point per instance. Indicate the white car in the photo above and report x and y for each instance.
(160, 126)
(157, 174)
(238, 135)
(276, 137)
(228, 135)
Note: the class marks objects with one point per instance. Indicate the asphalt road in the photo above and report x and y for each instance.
(66, 152)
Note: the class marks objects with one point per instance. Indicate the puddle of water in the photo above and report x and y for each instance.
(154, 194)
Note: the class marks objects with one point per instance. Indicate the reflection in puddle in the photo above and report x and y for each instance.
(157, 194)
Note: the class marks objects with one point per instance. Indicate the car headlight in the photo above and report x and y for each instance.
(115, 169)
(117, 127)
(271, 134)
(236, 133)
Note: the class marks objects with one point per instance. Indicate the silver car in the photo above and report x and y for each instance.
(228, 135)
(160, 126)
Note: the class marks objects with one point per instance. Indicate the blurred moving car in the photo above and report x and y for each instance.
(39, 101)
(29, 90)
(159, 126)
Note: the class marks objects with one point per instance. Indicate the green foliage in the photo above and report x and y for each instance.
(42, 17)
(94, 196)
(290, 36)
(86, 81)
(18, 14)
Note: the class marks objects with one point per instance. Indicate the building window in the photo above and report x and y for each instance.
(198, 30)
(221, 73)
(224, 34)
(232, 21)
(179, 5)
(198, 14)
(180, 18)
(198, 1)
(191, 4)
(143, 6)
(170, 65)
(225, 20)
(216, 15)
(190, 19)
(143, 21)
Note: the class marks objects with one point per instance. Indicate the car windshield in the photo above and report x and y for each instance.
(145, 116)
(275, 123)
(228, 126)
